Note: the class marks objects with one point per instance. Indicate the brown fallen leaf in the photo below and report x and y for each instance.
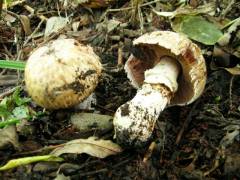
(8, 136)
(234, 71)
(95, 147)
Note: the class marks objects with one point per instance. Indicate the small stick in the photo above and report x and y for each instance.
(128, 8)
(120, 58)
(230, 93)
(227, 9)
(149, 152)
(186, 122)
(1, 5)
(2, 95)
(31, 10)
(88, 173)
(33, 33)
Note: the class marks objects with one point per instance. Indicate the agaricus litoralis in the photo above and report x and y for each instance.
(62, 73)
(168, 69)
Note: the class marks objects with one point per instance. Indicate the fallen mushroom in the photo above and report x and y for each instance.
(62, 73)
(169, 70)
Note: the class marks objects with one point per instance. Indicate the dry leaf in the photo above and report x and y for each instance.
(188, 10)
(25, 21)
(234, 71)
(232, 163)
(8, 136)
(54, 24)
(92, 146)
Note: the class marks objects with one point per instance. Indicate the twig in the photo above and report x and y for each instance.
(89, 173)
(128, 8)
(122, 163)
(228, 8)
(186, 122)
(120, 53)
(91, 163)
(149, 152)
(32, 11)
(2, 95)
(230, 93)
(33, 33)
(101, 107)
(1, 5)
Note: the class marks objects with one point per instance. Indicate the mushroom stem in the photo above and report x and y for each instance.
(134, 121)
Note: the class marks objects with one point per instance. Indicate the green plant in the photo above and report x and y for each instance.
(17, 65)
(15, 108)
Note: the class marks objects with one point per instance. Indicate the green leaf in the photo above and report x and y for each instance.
(14, 108)
(198, 29)
(17, 65)
(19, 100)
(21, 112)
(9, 122)
(27, 160)
(4, 113)
(7, 103)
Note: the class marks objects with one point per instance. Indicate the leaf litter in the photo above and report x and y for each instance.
(207, 145)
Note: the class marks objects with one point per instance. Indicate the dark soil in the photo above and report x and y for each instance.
(191, 142)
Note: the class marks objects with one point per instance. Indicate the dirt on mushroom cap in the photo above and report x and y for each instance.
(166, 43)
(62, 73)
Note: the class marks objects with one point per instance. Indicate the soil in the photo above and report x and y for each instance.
(189, 142)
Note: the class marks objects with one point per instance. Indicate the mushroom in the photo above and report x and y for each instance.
(62, 73)
(168, 69)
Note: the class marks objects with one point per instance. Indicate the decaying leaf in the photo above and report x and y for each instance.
(232, 132)
(234, 71)
(188, 10)
(54, 24)
(90, 121)
(112, 25)
(225, 39)
(224, 60)
(28, 160)
(232, 163)
(231, 38)
(25, 21)
(89, 3)
(92, 146)
(62, 177)
(8, 135)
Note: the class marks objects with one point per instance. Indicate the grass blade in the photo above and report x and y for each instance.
(17, 65)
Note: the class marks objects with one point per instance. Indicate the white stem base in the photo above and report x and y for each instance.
(134, 121)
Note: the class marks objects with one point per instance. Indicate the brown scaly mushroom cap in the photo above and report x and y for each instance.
(62, 73)
(158, 44)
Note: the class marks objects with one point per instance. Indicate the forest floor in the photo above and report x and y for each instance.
(197, 141)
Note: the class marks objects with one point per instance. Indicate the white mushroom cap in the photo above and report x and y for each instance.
(62, 73)
(153, 46)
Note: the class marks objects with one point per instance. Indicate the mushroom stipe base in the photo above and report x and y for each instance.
(137, 119)
(161, 83)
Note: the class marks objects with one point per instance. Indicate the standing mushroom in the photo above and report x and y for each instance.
(169, 70)
(62, 73)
